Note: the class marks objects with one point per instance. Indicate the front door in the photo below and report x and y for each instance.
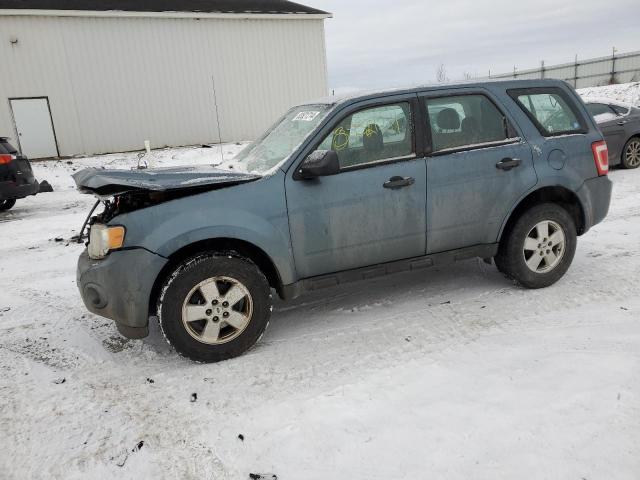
(373, 211)
(477, 171)
(32, 118)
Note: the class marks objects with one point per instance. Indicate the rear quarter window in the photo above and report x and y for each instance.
(598, 109)
(620, 110)
(552, 110)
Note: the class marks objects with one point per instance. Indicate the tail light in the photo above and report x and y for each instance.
(6, 158)
(601, 157)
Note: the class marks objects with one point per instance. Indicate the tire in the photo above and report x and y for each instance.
(7, 204)
(631, 153)
(524, 245)
(203, 295)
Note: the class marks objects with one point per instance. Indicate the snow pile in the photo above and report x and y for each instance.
(628, 93)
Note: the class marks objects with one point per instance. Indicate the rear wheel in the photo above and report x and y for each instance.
(539, 248)
(215, 307)
(7, 204)
(631, 153)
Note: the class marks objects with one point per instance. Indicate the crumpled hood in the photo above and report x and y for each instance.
(115, 182)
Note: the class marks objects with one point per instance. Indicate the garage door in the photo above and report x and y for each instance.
(35, 127)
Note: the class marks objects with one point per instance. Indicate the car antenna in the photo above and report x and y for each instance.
(215, 103)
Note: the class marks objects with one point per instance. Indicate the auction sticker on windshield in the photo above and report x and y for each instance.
(305, 116)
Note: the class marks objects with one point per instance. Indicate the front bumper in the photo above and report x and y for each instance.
(119, 287)
(595, 196)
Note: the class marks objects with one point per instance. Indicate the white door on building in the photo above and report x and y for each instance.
(35, 127)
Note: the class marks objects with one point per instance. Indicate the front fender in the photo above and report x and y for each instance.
(253, 212)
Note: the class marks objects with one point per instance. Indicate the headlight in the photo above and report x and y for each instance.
(102, 239)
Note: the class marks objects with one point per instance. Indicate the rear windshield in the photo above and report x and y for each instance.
(6, 147)
(550, 109)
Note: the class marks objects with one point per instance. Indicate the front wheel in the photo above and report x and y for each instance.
(7, 204)
(214, 307)
(538, 249)
(631, 153)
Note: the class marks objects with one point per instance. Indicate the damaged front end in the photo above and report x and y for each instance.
(124, 191)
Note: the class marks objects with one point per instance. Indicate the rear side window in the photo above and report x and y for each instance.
(598, 109)
(464, 120)
(550, 109)
(620, 110)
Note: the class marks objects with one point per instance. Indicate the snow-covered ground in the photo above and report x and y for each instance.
(624, 92)
(447, 373)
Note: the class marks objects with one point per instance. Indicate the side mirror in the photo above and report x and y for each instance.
(320, 164)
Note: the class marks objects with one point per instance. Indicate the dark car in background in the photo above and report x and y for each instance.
(16, 177)
(620, 125)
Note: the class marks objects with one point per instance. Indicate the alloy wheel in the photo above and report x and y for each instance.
(632, 154)
(544, 246)
(217, 310)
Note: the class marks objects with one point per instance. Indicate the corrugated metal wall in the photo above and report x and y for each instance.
(622, 68)
(114, 82)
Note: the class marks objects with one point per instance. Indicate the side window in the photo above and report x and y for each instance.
(620, 110)
(371, 135)
(550, 110)
(598, 109)
(463, 120)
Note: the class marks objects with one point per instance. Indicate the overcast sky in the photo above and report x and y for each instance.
(394, 42)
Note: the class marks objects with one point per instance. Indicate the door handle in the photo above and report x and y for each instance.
(621, 122)
(508, 163)
(396, 182)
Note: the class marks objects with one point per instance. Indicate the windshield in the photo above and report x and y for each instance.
(278, 142)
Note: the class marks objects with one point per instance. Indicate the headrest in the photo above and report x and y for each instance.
(448, 119)
(372, 138)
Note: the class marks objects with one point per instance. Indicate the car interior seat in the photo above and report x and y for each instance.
(470, 130)
(372, 141)
(447, 119)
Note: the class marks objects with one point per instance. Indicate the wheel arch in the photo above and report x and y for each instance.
(548, 194)
(218, 245)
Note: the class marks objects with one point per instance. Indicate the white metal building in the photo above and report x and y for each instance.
(97, 76)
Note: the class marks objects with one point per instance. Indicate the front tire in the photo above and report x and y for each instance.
(7, 204)
(214, 307)
(631, 153)
(539, 247)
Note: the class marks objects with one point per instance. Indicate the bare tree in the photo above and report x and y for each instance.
(468, 76)
(441, 74)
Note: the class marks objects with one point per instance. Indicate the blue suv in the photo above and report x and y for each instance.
(343, 189)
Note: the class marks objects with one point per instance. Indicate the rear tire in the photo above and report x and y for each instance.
(214, 307)
(7, 204)
(539, 247)
(631, 153)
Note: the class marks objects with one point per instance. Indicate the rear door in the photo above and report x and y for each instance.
(478, 168)
(373, 211)
(612, 126)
